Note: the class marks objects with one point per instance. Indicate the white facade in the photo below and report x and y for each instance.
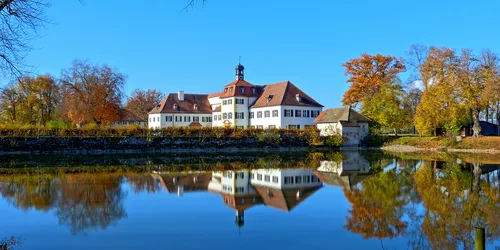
(234, 111)
(157, 121)
(299, 117)
(353, 135)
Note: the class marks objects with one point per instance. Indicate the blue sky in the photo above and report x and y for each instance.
(159, 46)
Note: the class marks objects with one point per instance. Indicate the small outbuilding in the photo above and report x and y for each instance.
(487, 129)
(345, 121)
(126, 118)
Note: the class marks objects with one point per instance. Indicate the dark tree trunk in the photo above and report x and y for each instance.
(477, 177)
(477, 125)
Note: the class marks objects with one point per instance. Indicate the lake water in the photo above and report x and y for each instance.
(336, 200)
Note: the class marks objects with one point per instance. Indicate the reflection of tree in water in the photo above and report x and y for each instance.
(377, 207)
(82, 201)
(90, 201)
(26, 192)
(144, 183)
(457, 201)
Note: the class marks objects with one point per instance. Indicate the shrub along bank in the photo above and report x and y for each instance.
(117, 138)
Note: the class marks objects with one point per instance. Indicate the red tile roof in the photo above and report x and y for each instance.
(284, 199)
(218, 94)
(284, 93)
(237, 86)
(186, 106)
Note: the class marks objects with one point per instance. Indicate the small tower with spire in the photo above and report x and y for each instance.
(240, 71)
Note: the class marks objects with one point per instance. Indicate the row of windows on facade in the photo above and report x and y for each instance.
(170, 118)
(230, 101)
(242, 90)
(267, 114)
(267, 178)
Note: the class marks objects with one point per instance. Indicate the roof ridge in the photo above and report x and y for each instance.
(286, 91)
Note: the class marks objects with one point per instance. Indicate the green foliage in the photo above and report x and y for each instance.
(269, 137)
(333, 141)
(376, 140)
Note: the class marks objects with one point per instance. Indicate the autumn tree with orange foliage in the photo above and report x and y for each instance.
(91, 93)
(368, 74)
(141, 102)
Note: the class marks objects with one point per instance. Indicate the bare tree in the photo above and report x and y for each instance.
(20, 21)
(191, 3)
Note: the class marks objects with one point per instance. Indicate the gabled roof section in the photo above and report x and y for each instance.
(235, 88)
(284, 93)
(346, 116)
(284, 199)
(186, 106)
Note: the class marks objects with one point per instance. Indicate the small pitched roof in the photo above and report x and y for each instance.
(186, 106)
(284, 93)
(284, 199)
(346, 116)
(127, 116)
(190, 182)
(218, 109)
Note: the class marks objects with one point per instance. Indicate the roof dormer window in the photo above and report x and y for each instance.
(269, 98)
(253, 91)
(298, 97)
(195, 107)
(225, 90)
(230, 90)
(176, 107)
(242, 89)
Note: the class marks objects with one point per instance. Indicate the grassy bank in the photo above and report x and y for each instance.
(483, 143)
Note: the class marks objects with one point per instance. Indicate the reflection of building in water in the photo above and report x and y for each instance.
(348, 172)
(282, 189)
(180, 183)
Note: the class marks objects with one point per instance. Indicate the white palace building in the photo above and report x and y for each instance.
(240, 104)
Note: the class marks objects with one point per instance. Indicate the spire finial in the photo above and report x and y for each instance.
(239, 60)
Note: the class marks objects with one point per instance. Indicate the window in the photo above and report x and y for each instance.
(314, 178)
(230, 102)
(240, 175)
(209, 118)
(275, 179)
(225, 90)
(230, 189)
(168, 118)
(314, 113)
(215, 117)
(251, 115)
(267, 178)
(253, 91)
(304, 179)
(195, 107)
(224, 102)
(298, 113)
(229, 115)
(252, 175)
(259, 177)
(260, 127)
(259, 114)
(219, 117)
(240, 115)
(230, 174)
(288, 113)
(224, 115)
(196, 118)
(289, 180)
(305, 113)
(240, 101)
(267, 114)
(176, 107)
(203, 119)
(272, 126)
(364, 127)
(154, 119)
(224, 187)
(187, 118)
(230, 89)
(242, 89)
(178, 118)
(240, 190)
(275, 113)
(298, 179)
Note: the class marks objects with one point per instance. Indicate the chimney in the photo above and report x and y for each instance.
(180, 95)
(298, 97)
